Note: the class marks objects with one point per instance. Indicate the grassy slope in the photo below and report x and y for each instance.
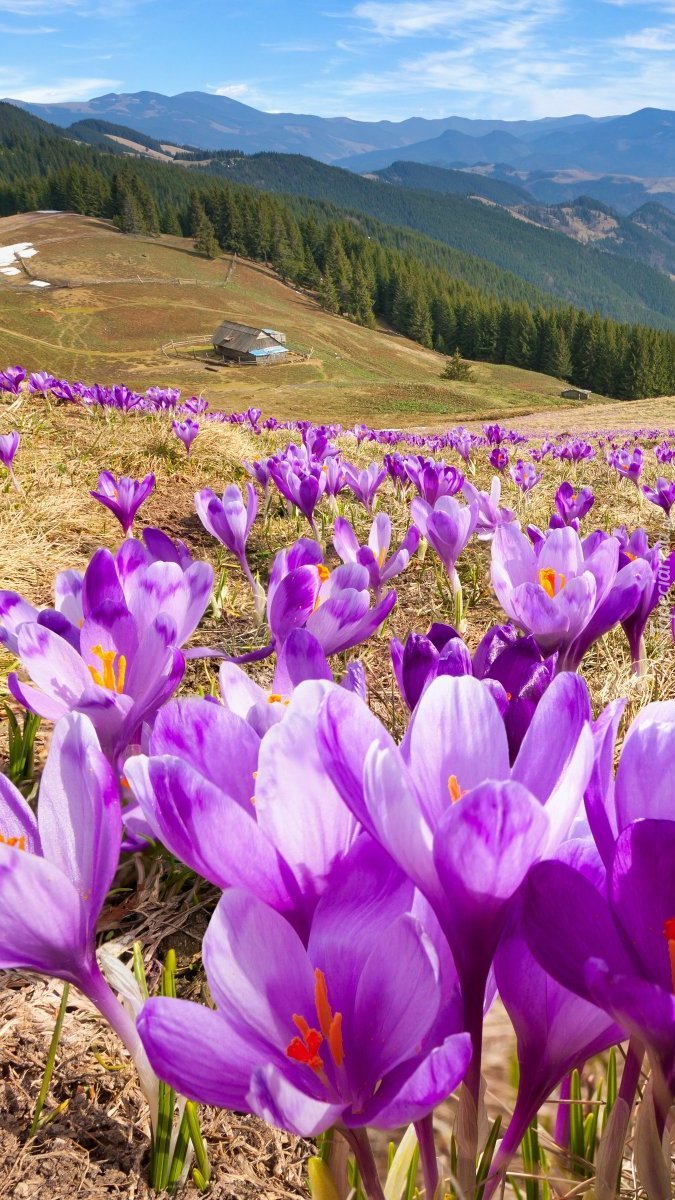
(113, 332)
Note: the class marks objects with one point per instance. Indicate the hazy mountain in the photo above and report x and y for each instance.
(219, 123)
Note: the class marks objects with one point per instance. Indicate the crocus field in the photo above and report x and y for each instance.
(386, 723)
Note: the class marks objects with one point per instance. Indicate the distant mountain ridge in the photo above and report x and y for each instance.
(220, 123)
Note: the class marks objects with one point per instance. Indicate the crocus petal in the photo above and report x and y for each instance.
(647, 766)
(279, 1102)
(196, 1051)
(258, 970)
(642, 893)
(483, 850)
(346, 729)
(206, 828)
(567, 922)
(41, 919)
(17, 819)
(53, 665)
(297, 806)
(398, 1103)
(396, 1009)
(79, 813)
(456, 730)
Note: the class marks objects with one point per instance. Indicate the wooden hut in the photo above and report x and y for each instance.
(246, 344)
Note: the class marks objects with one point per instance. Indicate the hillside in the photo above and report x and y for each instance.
(646, 236)
(113, 332)
(580, 275)
(424, 178)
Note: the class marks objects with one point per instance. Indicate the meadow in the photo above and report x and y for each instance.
(336, 823)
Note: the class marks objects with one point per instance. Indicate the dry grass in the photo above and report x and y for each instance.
(97, 1146)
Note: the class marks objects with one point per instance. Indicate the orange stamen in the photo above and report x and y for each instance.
(548, 578)
(323, 1009)
(306, 1048)
(19, 843)
(323, 572)
(335, 1040)
(669, 931)
(456, 792)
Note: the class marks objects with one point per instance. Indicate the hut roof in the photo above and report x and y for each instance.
(245, 339)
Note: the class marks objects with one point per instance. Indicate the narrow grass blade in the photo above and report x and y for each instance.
(51, 1059)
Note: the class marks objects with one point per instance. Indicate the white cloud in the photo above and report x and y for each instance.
(61, 91)
(235, 91)
(656, 39)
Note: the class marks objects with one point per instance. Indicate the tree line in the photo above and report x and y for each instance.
(356, 269)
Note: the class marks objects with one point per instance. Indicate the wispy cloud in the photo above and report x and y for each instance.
(60, 91)
(422, 18)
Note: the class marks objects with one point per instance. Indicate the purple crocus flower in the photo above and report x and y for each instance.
(122, 660)
(499, 458)
(662, 494)
(341, 1030)
(300, 659)
(571, 506)
(186, 431)
(447, 527)
(462, 822)
(373, 556)
(302, 487)
(627, 463)
(11, 380)
(364, 483)
(616, 950)
(260, 472)
(123, 496)
(490, 514)
(230, 522)
(432, 479)
(40, 382)
(55, 873)
(334, 606)
(511, 667)
(9, 444)
(563, 591)
(494, 434)
(525, 475)
(659, 580)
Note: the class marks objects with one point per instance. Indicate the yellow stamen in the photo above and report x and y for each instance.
(551, 580)
(381, 557)
(276, 698)
(323, 572)
(108, 679)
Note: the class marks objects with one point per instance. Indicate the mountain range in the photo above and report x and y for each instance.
(624, 161)
(220, 123)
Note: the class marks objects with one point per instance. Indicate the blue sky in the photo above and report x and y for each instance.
(371, 59)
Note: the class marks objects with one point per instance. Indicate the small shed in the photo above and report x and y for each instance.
(246, 344)
(575, 394)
